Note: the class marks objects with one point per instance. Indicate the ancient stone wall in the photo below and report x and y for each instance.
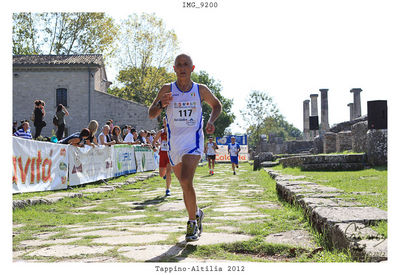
(318, 145)
(330, 142)
(377, 147)
(346, 125)
(298, 146)
(359, 137)
(343, 141)
(335, 162)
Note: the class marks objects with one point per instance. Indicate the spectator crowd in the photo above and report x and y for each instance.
(108, 135)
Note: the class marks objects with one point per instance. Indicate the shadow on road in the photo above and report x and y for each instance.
(176, 253)
(142, 205)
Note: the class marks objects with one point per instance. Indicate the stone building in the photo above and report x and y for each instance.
(77, 81)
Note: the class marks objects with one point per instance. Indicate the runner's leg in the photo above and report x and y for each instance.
(185, 173)
(162, 171)
(168, 174)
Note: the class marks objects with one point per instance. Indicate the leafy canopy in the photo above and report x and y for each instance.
(61, 33)
(146, 54)
(262, 116)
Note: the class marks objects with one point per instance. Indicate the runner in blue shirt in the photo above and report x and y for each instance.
(234, 149)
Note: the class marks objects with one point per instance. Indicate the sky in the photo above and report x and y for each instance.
(287, 48)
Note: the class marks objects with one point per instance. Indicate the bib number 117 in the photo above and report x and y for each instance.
(185, 113)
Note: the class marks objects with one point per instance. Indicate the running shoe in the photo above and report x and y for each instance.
(234, 172)
(165, 177)
(199, 219)
(192, 232)
(167, 192)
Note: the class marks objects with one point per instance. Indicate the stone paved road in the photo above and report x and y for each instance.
(143, 225)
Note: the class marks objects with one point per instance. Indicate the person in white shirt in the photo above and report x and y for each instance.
(131, 136)
(104, 137)
(209, 150)
(182, 102)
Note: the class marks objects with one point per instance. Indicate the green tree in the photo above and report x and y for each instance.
(260, 111)
(262, 117)
(25, 33)
(63, 33)
(146, 55)
(286, 129)
(226, 117)
(141, 88)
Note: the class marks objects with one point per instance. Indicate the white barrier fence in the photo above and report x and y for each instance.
(39, 166)
(43, 166)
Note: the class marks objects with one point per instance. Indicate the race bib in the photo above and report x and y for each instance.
(185, 114)
(164, 145)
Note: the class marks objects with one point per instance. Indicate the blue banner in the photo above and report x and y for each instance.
(241, 140)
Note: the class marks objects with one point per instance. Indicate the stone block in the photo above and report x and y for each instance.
(335, 158)
(332, 166)
(318, 145)
(377, 147)
(363, 215)
(343, 141)
(359, 137)
(269, 163)
(256, 163)
(266, 156)
(339, 162)
(330, 142)
(346, 125)
(298, 146)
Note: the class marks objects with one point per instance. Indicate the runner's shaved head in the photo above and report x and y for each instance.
(184, 55)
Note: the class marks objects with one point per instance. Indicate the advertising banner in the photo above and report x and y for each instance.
(88, 164)
(225, 140)
(124, 159)
(144, 159)
(38, 166)
(222, 154)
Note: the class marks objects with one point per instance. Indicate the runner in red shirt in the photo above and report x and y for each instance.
(164, 165)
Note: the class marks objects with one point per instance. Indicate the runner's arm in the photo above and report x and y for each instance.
(158, 135)
(215, 104)
(165, 97)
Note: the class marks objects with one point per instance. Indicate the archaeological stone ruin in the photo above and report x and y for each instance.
(362, 134)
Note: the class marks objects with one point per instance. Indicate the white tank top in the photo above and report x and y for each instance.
(210, 148)
(185, 120)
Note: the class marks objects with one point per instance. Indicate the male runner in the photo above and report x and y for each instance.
(164, 165)
(182, 100)
(211, 146)
(234, 149)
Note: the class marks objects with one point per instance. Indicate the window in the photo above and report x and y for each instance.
(61, 96)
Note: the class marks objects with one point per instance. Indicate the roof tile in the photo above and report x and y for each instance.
(80, 59)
